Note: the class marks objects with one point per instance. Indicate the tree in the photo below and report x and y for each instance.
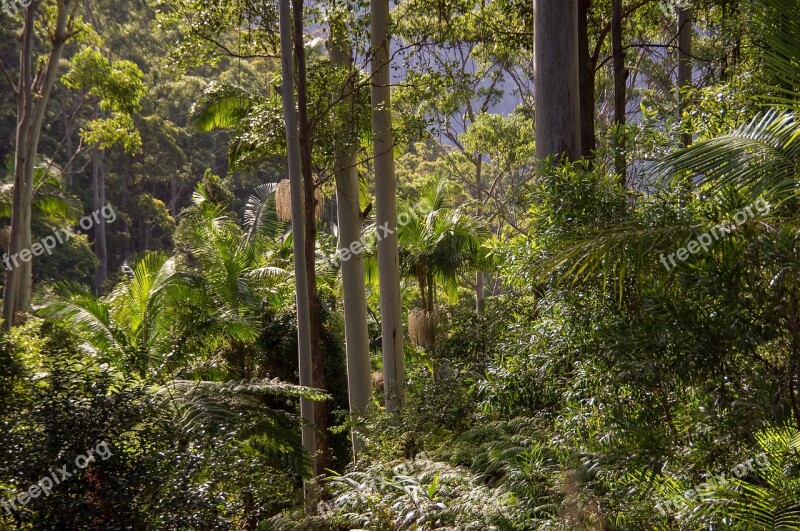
(556, 79)
(684, 64)
(113, 89)
(309, 197)
(132, 325)
(298, 232)
(32, 90)
(589, 61)
(586, 81)
(386, 208)
(349, 213)
(437, 247)
(620, 95)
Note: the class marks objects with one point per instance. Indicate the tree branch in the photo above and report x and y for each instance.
(7, 76)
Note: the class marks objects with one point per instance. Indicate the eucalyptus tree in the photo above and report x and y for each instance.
(620, 92)
(32, 88)
(556, 79)
(348, 207)
(305, 138)
(386, 207)
(298, 232)
(113, 90)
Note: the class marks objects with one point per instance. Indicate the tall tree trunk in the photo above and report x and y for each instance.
(31, 107)
(479, 276)
(386, 209)
(620, 97)
(100, 248)
(557, 97)
(349, 213)
(586, 81)
(295, 179)
(684, 64)
(304, 138)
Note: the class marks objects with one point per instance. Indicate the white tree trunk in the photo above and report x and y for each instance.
(359, 376)
(386, 209)
(480, 288)
(557, 97)
(298, 230)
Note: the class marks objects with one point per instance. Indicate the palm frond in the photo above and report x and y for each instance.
(607, 251)
(260, 218)
(777, 30)
(203, 406)
(221, 106)
(762, 156)
(75, 305)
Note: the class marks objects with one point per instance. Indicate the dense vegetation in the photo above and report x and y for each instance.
(372, 265)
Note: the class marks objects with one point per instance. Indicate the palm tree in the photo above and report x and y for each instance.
(131, 326)
(437, 247)
(206, 299)
(231, 270)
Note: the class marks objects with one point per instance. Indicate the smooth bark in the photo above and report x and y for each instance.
(304, 138)
(386, 209)
(33, 95)
(349, 214)
(557, 97)
(295, 180)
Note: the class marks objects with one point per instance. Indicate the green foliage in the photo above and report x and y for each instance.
(437, 243)
(418, 494)
(159, 474)
(758, 493)
(117, 87)
(596, 382)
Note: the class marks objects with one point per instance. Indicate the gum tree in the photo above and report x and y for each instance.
(32, 88)
(386, 208)
(348, 202)
(113, 90)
